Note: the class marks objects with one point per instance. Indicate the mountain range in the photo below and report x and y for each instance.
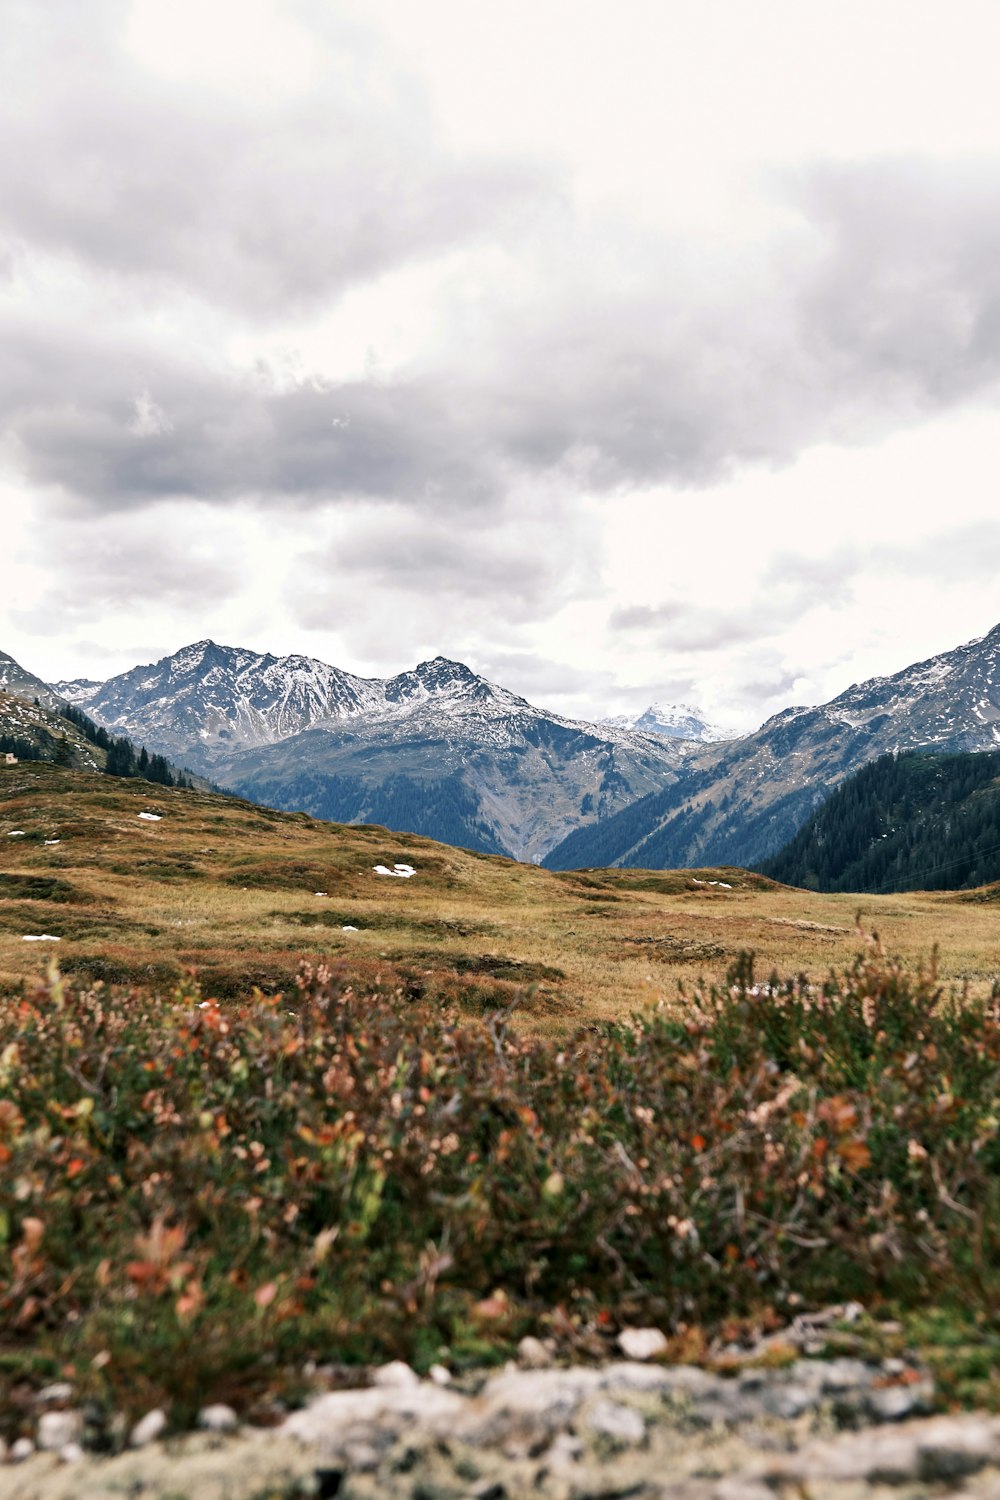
(442, 751)
(739, 802)
(436, 750)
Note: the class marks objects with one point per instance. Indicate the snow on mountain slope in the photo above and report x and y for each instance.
(671, 721)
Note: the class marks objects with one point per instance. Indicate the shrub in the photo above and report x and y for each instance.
(198, 1196)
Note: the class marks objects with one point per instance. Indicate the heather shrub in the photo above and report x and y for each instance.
(199, 1195)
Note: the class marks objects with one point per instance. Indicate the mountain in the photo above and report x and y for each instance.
(206, 701)
(903, 822)
(671, 721)
(739, 802)
(14, 679)
(435, 750)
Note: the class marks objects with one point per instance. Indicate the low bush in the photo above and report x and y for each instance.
(196, 1197)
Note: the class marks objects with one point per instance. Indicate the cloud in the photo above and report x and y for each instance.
(265, 202)
(170, 557)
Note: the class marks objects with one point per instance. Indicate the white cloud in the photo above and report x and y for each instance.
(640, 353)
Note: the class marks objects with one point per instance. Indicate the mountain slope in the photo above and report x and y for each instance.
(34, 733)
(436, 750)
(907, 822)
(22, 684)
(739, 802)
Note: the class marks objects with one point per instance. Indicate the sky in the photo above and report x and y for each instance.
(631, 352)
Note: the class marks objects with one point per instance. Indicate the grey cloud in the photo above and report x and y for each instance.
(683, 627)
(258, 205)
(965, 553)
(507, 573)
(886, 304)
(164, 557)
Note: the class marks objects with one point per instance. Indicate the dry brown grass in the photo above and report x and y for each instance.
(229, 890)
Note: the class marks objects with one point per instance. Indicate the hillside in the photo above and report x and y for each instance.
(907, 822)
(738, 803)
(145, 884)
(34, 733)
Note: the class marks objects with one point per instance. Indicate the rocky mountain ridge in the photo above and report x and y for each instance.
(739, 802)
(436, 749)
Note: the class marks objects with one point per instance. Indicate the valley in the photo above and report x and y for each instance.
(152, 885)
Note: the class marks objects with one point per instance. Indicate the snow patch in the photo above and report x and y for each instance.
(151, 817)
(40, 937)
(402, 872)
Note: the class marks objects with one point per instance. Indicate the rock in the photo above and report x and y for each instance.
(57, 1428)
(21, 1449)
(396, 1374)
(440, 1375)
(642, 1343)
(532, 1354)
(331, 1420)
(564, 1451)
(148, 1428)
(936, 1448)
(522, 1410)
(218, 1418)
(623, 1425)
(893, 1403)
(56, 1394)
(72, 1453)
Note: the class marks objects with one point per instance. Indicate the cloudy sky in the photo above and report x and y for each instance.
(624, 351)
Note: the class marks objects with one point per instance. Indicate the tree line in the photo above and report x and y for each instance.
(912, 821)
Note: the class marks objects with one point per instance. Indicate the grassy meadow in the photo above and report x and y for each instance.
(226, 1176)
(228, 892)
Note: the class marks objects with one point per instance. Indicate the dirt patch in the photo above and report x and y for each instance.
(674, 950)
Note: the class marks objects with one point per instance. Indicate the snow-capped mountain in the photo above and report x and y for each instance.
(736, 803)
(671, 721)
(14, 679)
(437, 748)
(205, 700)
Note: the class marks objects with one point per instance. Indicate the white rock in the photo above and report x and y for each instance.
(21, 1449)
(395, 1375)
(148, 1428)
(642, 1343)
(564, 1451)
(57, 1428)
(440, 1374)
(56, 1394)
(532, 1354)
(71, 1453)
(329, 1420)
(218, 1418)
(932, 1449)
(622, 1424)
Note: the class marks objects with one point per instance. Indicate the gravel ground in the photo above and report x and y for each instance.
(814, 1429)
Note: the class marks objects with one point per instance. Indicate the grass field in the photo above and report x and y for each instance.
(239, 895)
